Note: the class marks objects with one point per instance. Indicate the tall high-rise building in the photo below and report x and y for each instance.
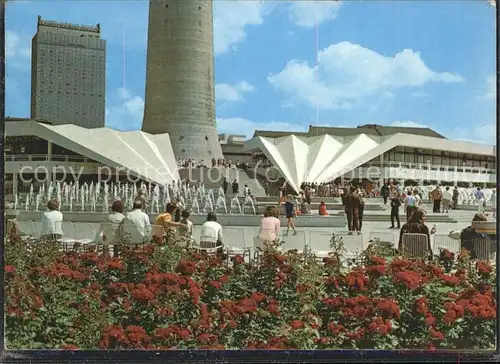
(68, 74)
(180, 94)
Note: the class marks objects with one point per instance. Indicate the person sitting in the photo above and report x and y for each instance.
(135, 228)
(185, 237)
(305, 209)
(269, 226)
(109, 227)
(322, 209)
(468, 235)
(12, 227)
(166, 219)
(211, 233)
(416, 225)
(52, 221)
(141, 196)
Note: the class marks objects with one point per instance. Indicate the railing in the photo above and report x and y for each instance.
(45, 157)
(429, 166)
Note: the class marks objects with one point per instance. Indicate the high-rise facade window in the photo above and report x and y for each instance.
(68, 74)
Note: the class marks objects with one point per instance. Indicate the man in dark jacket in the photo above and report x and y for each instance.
(455, 198)
(352, 207)
(225, 185)
(384, 192)
(395, 204)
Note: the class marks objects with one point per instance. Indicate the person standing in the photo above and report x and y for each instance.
(352, 206)
(455, 198)
(480, 200)
(493, 201)
(447, 197)
(437, 196)
(418, 199)
(290, 214)
(361, 211)
(307, 194)
(409, 204)
(235, 187)
(225, 186)
(395, 204)
(384, 192)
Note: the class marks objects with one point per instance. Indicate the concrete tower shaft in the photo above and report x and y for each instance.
(180, 94)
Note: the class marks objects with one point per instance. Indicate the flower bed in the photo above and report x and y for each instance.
(174, 298)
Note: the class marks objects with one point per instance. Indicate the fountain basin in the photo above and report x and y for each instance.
(223, 219)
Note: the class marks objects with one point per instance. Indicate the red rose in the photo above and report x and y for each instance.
(430, 320)
(408, 278)
(215, 284)
(436, 335)
(183, 334)
(273, 308)
(69, 347)
(296, 324)
(301, 288)
(484, 268)
(421, 306)
(203, 338)
(258, 297)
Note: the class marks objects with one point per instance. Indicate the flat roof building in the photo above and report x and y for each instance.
(68, 74)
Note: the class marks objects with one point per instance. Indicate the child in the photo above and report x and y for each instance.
(395, 204)
(188, 229)
(290, 214)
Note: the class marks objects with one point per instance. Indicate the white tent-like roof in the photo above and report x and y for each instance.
(323, 158)
(144, 155)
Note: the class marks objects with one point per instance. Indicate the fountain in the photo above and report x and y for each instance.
(195, 207)
(71, 202)
(235, 204)
(249, 202)
(209, 206)
(27, 204)
(37, 201)
(221, 204)
(105, 202)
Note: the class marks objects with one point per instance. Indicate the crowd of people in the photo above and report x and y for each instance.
(176, 218)
(215, 162)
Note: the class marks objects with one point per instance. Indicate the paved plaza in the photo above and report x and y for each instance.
(316, 238)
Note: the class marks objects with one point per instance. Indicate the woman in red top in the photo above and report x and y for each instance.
(322, 209)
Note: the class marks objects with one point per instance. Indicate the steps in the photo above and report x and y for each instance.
(212, 178)
(430, 219)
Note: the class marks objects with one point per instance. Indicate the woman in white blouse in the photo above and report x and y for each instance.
(52, 221)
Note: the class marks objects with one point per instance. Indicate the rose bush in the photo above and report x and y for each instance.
(165, 297)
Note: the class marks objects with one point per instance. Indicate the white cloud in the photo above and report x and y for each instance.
(228, 93)
(309, 14)
(348, 72)
(408, 124)
(127, 113)
(231, 19)
(484, 134)
(242, 126)
(17, 47)
(491, 88)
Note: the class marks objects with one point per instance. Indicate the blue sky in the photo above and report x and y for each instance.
(287, 65)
